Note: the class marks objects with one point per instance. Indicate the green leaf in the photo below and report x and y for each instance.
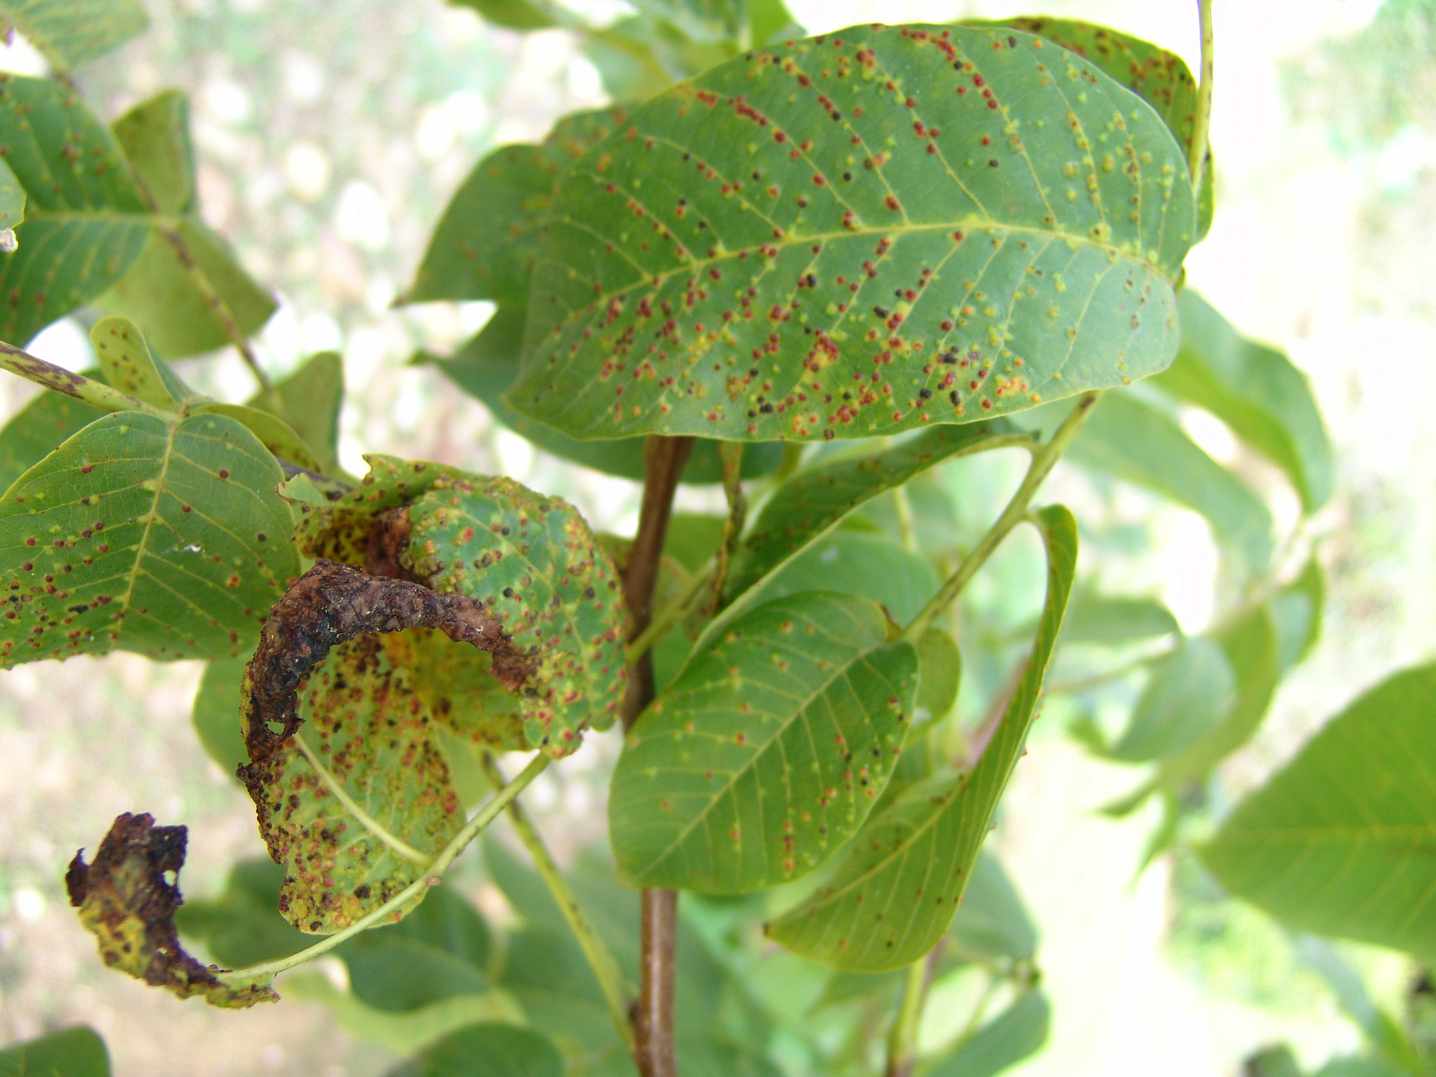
(769, 21)
(155, 138)
(126, 899)
(1136, 442)
(1157, 76)
(767, 752)
(677, 294)
(1257, 392)
(1110, 620)
(161, 536)
(127, 365)
(309, 402)
(815, 500)
(216, 713)
(1383, 1034)
(992, 923)
(35, 430)
(1275, 1061)
(1359, 1066)
(939, 665)
(69, 33)
(487, 1050)
(1296, 611)
(1342, 841)
(1017, 1032)
(439, 951)
(85, 222)
(513, 14)
(70, 1052)
(242, 925)
(358, 803)
(160, 293)
(533, 561)
(12, 203)
(1190, 691)
(484, 244)
(850, 563)
(488, 364)
(895, 893)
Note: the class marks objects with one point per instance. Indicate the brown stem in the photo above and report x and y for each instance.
(653, 1012)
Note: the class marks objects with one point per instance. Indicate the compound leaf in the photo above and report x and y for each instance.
(161, 536)
(1342, 840)
(895, 892)
(726, 264)
(767, 753)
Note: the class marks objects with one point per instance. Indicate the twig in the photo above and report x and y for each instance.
(653, 1012)
(95, 393)
(1043, 461)
(600, 958)
(1201, 122)
(731, 454)
(902, 1039)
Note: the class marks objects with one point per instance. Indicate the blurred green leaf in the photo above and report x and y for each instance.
(488, 363)
(309, 401)
(1296, 611)
(85, 222)
(815, 500)
(12, 201)
(1134, 441)
(70, 1052)
(486, 1050)
(69, 33)
(636, 247)
(168, 534)
(693, 538)
(439, 951)
(1190, 691)
(917, 856)
(1383, 1033)
(241, 925)
(1014, 1034)
(1276, 1061)
(1359, 1066)
(939, 665)
(1257, 392)
(992, 922)
(216, 713)
(156, 140)
(1338, 842)
(767, 752)
(34, 431)
(850, 563)
(768, 20)
(514, 14)
(1110, 620)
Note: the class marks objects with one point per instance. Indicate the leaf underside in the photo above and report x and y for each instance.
(895, 892)
(860, 234)
(768, 751)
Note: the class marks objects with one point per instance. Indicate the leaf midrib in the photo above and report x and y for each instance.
(973, 222)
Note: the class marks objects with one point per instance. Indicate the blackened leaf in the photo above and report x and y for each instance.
(782, 248)
(127, 903)
(71, 1052)
(895, 892)
(161, 536)
(1342, 840)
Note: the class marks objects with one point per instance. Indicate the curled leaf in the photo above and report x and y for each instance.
(127, 903)
(332, 603)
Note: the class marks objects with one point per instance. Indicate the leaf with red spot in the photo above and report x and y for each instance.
(483, 246)
(789, 246)
(1159, 77)
(162, 536)
(768, 751)
(896, 891)
(127, 901)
